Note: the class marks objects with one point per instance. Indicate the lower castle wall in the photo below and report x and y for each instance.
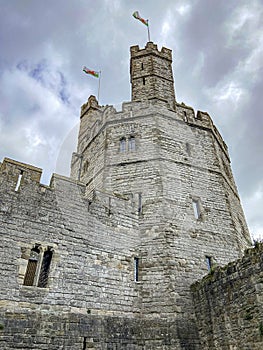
(229, 304)
(42, 330)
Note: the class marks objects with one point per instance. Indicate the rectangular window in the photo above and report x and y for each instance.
(30, 272)
(136, 269)
(123, 145)
(44, 271)
(139, 203)
(188, 148)
(84, 343)
(197, 209)
(132, 143)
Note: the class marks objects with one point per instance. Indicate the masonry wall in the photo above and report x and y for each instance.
(229, 304)
(178, 157)
(92, 265)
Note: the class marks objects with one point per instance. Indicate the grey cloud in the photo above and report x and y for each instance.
(45, 44)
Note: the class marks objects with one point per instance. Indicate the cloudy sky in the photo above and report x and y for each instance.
(218, 67)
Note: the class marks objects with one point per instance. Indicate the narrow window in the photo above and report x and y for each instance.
(143, 81)
(85, 167)
(123, 144)
(132, 143)
(139, 203)
(109, 208)
(142, 66)
(32, 267)
(209, 262)
(185, 117)
(196, 207)
(19, 180)
(84, 343)
(44, 271)
(136, 269)
(188, 148)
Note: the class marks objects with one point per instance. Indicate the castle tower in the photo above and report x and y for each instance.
(151, 74)
(174, 167)
(105, 259)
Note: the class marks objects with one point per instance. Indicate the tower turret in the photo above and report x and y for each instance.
(151, 74)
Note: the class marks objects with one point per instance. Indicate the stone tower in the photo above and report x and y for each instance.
(174, 167)
(151, 74)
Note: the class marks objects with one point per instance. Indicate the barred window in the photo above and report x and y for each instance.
(32, 267)
(44, 271)
(38, 267)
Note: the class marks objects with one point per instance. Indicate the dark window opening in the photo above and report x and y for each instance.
(136, 269)
(143, 81)
(139, 203)
(142, 66)
(44, 271)
(84, 343)
(109, 207)
(209, 262)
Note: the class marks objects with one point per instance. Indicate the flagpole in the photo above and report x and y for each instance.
(149, 39)
(99, 87)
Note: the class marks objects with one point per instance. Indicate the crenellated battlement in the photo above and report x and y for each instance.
(151, 48)
(13, 168)
(203, 120)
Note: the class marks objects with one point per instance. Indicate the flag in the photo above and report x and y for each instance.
(137, 16)
(91, 72)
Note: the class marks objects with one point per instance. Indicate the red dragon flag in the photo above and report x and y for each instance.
(91, 72)
(137, 16)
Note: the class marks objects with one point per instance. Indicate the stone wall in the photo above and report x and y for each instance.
(92, 264)
(229, 304)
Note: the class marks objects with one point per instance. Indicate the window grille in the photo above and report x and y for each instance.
(32, 267)
(43, 276)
